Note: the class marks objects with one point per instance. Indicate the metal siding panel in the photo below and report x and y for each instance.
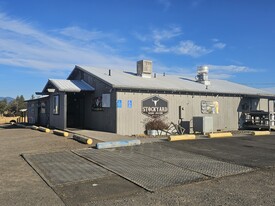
(31, 112)
(44, 116)
(58, 121)
(263, 104)
(129, 121)
(100, 120)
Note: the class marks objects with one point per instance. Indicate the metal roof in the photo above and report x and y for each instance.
(37, 98)
(69, 85)
(174, 83)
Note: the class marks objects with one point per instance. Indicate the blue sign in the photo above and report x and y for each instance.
(130, 104)
(119, 103)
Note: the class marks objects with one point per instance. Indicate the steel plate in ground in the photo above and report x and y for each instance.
(147, 172)
(59, 168)
(190, 161)
(233, 150)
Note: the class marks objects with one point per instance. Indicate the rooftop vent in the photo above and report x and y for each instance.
(144, 68)
(202, 75)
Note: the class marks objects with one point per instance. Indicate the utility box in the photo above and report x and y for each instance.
(186, 126)
(203, 124)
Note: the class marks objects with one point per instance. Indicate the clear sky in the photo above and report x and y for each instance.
(42, 39)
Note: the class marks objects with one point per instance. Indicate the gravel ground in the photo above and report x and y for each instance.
(255, 188)
(20, 184)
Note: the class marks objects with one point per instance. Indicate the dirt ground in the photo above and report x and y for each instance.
(21, 185)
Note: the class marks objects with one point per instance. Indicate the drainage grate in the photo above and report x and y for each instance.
(64, 167)
(144, 171)
(194, 162)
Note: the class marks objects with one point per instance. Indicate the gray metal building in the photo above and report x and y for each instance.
(119, 101)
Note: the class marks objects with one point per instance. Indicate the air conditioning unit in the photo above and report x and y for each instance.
(144, 68)
(203, 124)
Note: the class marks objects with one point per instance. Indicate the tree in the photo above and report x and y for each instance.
(3, 106)
(16, 105)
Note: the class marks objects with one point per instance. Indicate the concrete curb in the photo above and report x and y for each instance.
(60, 133)
(258, 133)
(20, 125)
(33, 127)
(220, 135)
(82, 139)
(44, 129)
(181, 137)
(121, 143)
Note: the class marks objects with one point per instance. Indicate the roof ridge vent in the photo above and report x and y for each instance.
(202, 75)
(144, 68)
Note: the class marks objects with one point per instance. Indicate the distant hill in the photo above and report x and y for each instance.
(9, 99)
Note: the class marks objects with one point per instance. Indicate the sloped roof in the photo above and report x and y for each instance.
(37, 98)
(175, 83)
(68, 85)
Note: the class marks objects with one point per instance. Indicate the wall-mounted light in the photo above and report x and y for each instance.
(51, 90)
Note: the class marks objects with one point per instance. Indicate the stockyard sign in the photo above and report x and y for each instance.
(154, 106)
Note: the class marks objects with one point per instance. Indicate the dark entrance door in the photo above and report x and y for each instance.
(75, 110)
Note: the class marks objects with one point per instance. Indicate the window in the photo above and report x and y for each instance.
(56, 104)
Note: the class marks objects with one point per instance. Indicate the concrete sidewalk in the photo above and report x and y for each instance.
(101, 136)
(110, 137)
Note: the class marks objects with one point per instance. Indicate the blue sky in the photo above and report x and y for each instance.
(46, 38)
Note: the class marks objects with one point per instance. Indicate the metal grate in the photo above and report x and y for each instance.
(59, 168)
(144, 171)
(190, 161)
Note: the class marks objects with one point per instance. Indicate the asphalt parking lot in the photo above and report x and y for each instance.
(55, 170)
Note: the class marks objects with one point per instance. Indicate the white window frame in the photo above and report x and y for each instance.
(56, 104)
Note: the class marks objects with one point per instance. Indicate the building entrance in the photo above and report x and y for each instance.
(75, 110)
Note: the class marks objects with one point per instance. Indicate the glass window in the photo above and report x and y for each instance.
(56, 104)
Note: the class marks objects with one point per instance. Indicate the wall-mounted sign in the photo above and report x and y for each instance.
(97, 104)
(106, 100)
(154, 106)
(119, 103)
(209, 107)
(130, 104)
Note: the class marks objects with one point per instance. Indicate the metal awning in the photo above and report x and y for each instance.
(63, 85)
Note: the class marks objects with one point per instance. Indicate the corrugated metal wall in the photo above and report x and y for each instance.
(105, 119)
(100, 120)
(38, 111)
(32, 111)
(130, 120)
(59, 120)
(44, 112)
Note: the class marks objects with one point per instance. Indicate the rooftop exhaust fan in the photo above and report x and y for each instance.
(202, 75)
